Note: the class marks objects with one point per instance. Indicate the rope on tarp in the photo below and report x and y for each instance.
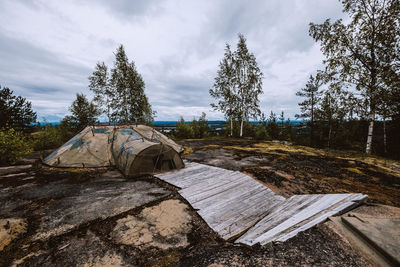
(158, 157)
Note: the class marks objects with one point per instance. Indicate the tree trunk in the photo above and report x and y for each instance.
(108, 115)
(329, 135)
(312, 134)
(370, 132)
(372, 93)
(312, 120)
(384, 135)
(241, 127)
(231, 126)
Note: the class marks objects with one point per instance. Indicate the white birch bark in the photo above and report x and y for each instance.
(231, 126)
(370, 132)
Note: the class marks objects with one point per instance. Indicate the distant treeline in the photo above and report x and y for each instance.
(345, 135)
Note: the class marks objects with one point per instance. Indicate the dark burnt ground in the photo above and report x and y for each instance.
(290, 170)
(319, 246)
(301, 174)
(91, 242)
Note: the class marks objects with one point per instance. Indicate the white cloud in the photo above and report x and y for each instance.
(49, 48)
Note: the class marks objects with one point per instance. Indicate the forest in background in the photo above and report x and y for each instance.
(353, 103)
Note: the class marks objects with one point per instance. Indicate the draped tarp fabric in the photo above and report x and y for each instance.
(134, 150)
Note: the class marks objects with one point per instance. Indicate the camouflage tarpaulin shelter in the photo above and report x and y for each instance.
(135, 150)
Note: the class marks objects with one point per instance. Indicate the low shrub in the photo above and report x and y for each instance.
(48, 138)
(13, 146)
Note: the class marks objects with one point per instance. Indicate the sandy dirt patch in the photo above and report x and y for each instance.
(164, 226)
(109, 259)
(10, 229)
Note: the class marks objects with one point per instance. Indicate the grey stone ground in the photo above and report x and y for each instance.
(84, 217)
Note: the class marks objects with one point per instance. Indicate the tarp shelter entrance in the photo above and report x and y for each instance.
(135, 150)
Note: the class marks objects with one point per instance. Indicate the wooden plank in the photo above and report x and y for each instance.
(204, 177)
(178, 177)
(233, 203)
(353, 200)
(174, 173)
(188, 178)
(246, 199)
(269, 228)
(221, 194)
(281, 213)
(237, 176)
(201, 187)
(217, 191)
(249, 217)
(256, 205)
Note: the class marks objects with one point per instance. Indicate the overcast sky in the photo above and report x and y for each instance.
(49, 48)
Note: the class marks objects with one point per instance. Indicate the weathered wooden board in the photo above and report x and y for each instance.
(229, 201)
(296, 214)
(233, 203)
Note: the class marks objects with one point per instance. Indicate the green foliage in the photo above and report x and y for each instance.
(364, 53)
(249, 82)
(103, 92)
(47, 138)
(225, 88)
(262, 134)
(289, 132)
(84, 113)
(130, 104)
(183, 130)
(120, 92)
(238, 84)
(312, 97)
(203, 126)
(194, 129)
(272, 126)
(13, 146)
(15, 111)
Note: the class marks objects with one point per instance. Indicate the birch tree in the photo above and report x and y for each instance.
(224, 89)
(248, 77)
(362, 52)
(238, 85)
(129, 103)
(103, 92)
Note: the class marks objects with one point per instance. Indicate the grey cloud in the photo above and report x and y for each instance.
(128, 9)
(180, 76)
(39, 75)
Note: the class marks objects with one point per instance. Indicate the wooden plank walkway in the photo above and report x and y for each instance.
(237, 206)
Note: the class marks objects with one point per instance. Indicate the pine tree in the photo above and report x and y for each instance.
(332, 110)
(203, 126)
(273, 127)
(364, 52)
(281, 125)
(84, 113)
(313, 97)
(15, 111)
